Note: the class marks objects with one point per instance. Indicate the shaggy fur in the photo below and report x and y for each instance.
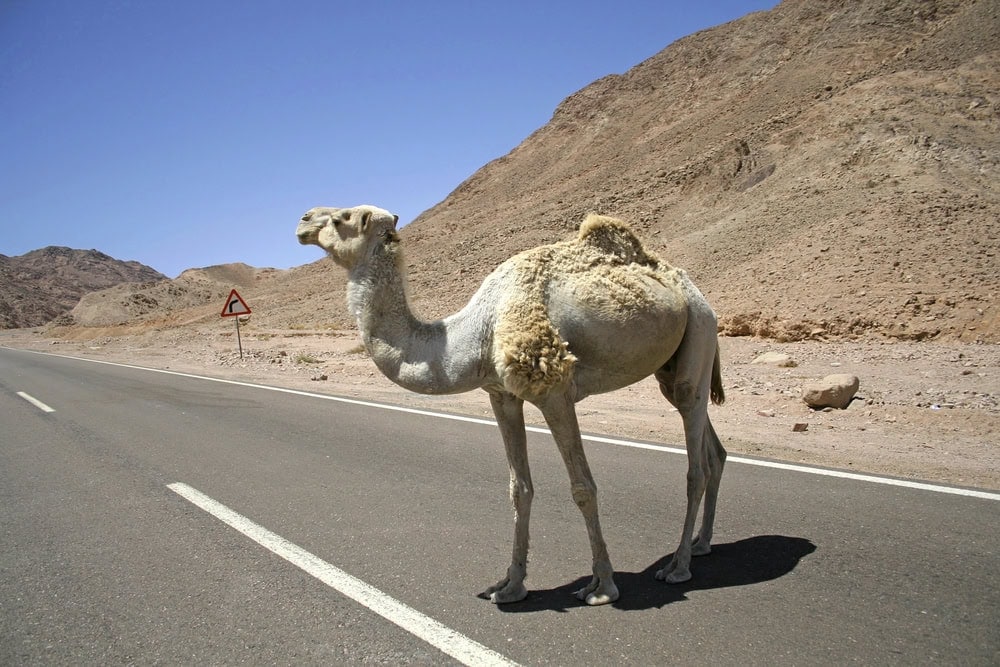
(608, 261)
(532, 358)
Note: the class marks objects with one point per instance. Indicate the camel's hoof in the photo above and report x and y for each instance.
(673, 573)
(596, 593)
(505, 592)
(678, 576)
(673, 576)
(598, 598)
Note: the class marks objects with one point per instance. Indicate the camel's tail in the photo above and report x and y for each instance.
(718, 394)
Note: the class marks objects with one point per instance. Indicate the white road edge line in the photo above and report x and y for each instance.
(842, 474)
(34, 401)
(441, 637)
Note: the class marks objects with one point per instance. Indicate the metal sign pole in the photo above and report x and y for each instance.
(238, 341)
(236, 306)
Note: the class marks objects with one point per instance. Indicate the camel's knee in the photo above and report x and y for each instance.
(584, 495)
(521, 492)
(697, 477)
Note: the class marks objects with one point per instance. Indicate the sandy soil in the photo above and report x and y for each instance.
(927, 411)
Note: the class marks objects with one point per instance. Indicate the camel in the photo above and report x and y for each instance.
(551, 326)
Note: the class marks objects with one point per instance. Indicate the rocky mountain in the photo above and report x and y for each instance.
(43, 284)
(829, 168)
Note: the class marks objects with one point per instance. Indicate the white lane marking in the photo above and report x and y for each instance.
(34, 401)
(842, 474)
(858, 477)
(441, 637)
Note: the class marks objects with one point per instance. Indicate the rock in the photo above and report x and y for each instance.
(775, 359)
(319, 378)
(833, 391)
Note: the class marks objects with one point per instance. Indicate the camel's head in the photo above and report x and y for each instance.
(347, 233)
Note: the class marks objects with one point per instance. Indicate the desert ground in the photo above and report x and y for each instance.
(924, 410)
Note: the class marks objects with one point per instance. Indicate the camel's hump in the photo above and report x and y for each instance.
(614, 237)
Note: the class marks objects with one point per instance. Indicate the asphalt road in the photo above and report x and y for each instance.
(101, 562)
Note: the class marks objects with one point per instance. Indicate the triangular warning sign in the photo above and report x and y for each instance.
(235, 305)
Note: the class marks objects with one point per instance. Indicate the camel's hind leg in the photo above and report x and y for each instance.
(716, 455)
(687, 382)
(509, 411)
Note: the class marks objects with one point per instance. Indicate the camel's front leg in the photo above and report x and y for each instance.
(509, 411)
(560, 414)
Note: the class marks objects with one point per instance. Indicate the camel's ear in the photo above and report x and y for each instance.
(365, 217)
(395, 219)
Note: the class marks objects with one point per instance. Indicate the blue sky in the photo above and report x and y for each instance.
(190, 133)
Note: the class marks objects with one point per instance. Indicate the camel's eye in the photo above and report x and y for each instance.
(336, 222)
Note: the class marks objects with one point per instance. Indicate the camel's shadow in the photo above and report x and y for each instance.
(750, 561)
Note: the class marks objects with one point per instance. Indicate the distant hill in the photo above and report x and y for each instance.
(41, 285)
(193, 296)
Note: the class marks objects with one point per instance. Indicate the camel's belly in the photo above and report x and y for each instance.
(621, 328)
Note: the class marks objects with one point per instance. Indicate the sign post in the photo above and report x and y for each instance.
(236, 306)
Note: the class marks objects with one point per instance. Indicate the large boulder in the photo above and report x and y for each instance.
(833, 391)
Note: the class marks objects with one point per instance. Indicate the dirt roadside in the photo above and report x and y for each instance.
(928, 411)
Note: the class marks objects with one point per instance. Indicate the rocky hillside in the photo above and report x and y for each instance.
(824, 168)
(41, 285)
(829, 168)
(195, 295)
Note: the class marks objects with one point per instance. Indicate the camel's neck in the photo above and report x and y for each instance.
(426, 357)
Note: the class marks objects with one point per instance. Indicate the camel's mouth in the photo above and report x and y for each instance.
(307, 232)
